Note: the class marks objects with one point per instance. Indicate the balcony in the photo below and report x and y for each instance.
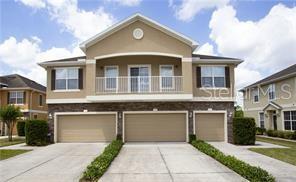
(139, 85)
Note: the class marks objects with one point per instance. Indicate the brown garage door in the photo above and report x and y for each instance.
(86, 128)
(209, 126)
(155, 127)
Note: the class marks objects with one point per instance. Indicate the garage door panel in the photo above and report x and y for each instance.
(86, 128)
(210, 126)
(155, 127)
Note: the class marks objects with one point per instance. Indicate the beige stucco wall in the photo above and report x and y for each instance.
(285, 92)
(51, 94)
(153, 41)
(208, 92)
(123, 62)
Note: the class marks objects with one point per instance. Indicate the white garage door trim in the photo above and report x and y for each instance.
(78, 113)
(155, 112)
(209, 112)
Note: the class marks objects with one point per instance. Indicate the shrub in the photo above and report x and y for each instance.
(282, 134)
(100, 164)
(192, 138)
(36, 132)
(244, 131)
(260, 131)
(20, 128)
(247, 171)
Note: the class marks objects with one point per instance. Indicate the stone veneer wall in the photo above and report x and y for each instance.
(145, 106)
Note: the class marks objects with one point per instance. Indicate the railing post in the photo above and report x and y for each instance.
(90, 77)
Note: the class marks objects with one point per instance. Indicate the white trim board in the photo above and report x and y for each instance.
(56, 114)
(138, 54)
(153, 112)
(209, 112)
(34, 111)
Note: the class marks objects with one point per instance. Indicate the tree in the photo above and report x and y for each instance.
(9, 115)
(239, 113)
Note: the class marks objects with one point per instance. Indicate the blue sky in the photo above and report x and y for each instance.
(262, 33)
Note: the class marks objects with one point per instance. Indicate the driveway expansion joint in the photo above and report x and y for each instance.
(171, 176)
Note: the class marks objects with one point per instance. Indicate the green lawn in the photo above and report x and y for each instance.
(5, 142)
(286, 154)
(7, 153)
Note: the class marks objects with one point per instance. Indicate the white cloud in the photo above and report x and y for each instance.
(126, 2)
(187, 10)
(33, 3)
(206, 49)
(22, 57)
(80, 23)
(266, 45)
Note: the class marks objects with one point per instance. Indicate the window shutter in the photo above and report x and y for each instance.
(53, 78)
(227, 77)
(198, 77)
(24, 97)
(80, 77)
(8, 95)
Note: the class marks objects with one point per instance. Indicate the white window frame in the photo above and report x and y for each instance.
(160, 76)
(117, 74)
(16, 97)
(283, 117)
(137, 66)
(259, 119)
(212, 76)
(253, 96)
(67, 89)
(271, 88)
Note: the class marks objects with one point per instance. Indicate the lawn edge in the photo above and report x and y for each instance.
(242, 168)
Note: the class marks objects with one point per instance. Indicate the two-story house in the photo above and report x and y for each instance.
(272, 100)
(141, 80)
(24, 93)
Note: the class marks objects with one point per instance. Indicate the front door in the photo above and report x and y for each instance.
(139, 78)
(274, 120)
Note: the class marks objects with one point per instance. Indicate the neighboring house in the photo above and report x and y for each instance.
(141, 80)
(272, 101)
(25, 93)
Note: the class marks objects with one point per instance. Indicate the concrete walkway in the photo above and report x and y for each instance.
(280, 170)
(56, 162)
(166, 162)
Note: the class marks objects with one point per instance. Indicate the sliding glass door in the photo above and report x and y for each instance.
(139, 78)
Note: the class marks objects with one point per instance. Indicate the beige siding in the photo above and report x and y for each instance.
(51, 94)
(86, 128)
(285, 91)
(153, 41)
(155, 127)
(225, 92)
(209, 126)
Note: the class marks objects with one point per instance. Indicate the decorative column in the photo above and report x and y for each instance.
(90, 77)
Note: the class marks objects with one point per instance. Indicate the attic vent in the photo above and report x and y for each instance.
(138, 33)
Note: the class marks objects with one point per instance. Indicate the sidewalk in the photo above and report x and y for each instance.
(276, 138)
(280, 170)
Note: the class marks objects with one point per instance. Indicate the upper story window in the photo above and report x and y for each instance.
(167, 73)
(111, 74)
(271, 92)
(66, 79)
(16, 97)
(40, 100)
(255, 94)
(213, 76)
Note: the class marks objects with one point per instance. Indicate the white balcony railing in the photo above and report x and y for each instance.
(139, 84)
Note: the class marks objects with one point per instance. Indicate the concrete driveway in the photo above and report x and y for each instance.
(57, 162)
(162, 162)
(282, 171)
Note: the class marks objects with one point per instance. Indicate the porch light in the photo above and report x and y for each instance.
(49, 116)
(190, 114)
(230, 114)
(155, 109)
(85, 110)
